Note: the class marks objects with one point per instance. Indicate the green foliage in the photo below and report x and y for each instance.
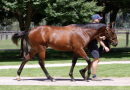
(19, 5)
(58, 12)
(122, 19)
(13, 8)
(121, 4)
(64, 12)
(124, 1)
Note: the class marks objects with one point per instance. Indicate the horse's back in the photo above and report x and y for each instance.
(50, 35)
(59, 38)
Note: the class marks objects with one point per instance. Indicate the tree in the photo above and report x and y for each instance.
(23, 12)
(113, 6)
(71, 11)
(57, 12)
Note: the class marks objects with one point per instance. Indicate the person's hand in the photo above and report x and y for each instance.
(102, 37)
(107, 49)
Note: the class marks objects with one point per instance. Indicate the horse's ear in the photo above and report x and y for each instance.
(112, 24)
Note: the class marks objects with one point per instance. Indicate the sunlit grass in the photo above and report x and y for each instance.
(35, 87)
(106, 70)
(8, 44)
(53, 56)
(122, 41)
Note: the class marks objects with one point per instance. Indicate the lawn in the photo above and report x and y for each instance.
(53, 56)
(9, 87)
(122, 41)
(106, 70)
(8, 44)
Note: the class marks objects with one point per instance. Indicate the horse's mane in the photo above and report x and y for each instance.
(91, 25)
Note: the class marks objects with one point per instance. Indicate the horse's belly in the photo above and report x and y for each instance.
(61, 47)
(60, 42)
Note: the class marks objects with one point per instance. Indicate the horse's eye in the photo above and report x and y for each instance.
(113, 33)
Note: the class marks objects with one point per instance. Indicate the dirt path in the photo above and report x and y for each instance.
(109, 81)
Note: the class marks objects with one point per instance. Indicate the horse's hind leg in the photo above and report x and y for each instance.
(42, 63)
(45, 71)
(75, 57)
(31, 53)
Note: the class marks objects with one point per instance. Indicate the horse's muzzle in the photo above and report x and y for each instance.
(114, 44)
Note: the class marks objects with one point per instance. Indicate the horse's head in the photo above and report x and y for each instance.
(111, 34)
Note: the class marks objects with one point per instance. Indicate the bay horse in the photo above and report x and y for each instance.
(74, 37)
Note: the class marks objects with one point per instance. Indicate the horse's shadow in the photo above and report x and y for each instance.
(107, 80)
(60, 79)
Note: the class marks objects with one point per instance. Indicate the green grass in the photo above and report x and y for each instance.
(34, 87)
(106, 70)
(8, 44)
(122, 40)
(53, 56)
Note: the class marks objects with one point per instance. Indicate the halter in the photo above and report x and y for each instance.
(111, 38)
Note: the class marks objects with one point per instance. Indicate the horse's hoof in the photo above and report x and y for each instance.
(18, 79)
(87, 80)
(72, 80)
(53, 80)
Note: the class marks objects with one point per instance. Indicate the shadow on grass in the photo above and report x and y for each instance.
(116, 53)
(51, 55)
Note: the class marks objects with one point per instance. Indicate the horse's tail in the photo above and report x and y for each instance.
(19, 35)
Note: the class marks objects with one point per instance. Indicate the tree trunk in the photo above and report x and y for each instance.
(24, 43)
(113, 14)
(24, 25)
(20, 18)
(102, 13)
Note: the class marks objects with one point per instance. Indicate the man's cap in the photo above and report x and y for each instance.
(96, 16)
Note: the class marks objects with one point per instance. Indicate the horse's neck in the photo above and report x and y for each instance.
(101, 31)
(97, 33)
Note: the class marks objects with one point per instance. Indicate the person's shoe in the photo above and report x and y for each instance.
(96, 79)
(82, 73)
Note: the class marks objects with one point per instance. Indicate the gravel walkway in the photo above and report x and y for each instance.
(111, 81)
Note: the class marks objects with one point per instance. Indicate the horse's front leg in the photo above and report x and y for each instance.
(89, 66)
(26, 59)
(75, 57)
(83, 54)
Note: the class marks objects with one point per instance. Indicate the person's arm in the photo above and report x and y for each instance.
(102, 44)
(102, 37)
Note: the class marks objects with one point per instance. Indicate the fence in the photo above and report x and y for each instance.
(124, 31)
(7, 34)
